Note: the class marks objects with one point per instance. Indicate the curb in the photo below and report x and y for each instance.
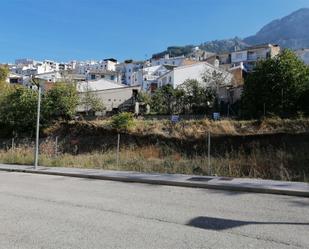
(190, 184)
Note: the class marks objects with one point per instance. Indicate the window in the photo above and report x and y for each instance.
(93, 76)
(102, 76)
(13, 81)
(170, 79)
(112, 77)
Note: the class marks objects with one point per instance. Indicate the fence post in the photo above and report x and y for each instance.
(13, 144)
(208, 155)
(118, 145)
(56, 147)
(12, 149)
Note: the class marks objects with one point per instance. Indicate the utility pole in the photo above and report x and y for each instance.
(118, 148)
(208, 155)
(37, 139)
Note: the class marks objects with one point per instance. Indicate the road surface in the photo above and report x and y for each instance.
(42, 211)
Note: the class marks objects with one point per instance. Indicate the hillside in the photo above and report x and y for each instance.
(217, 46)
(221, 46)
(291, 31)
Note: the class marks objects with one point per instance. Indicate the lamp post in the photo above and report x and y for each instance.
(37, 138)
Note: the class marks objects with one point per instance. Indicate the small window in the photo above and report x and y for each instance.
(102, 76)
(109, 100)
(93, 76)
(112, 77)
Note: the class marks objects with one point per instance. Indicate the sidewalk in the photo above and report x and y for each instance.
(221, 183)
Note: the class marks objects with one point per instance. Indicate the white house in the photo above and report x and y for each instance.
(109, 64)
(50, 77)
(148, 75)
(84, 67)
(14, 78)
(196, 71)
(128, 71)
(30, 67)
(251, 55)
(167, 60)
(96, 74)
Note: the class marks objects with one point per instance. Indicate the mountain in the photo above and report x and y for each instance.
(291, 31)
(221, 46)
(175, 51)
(217, 46)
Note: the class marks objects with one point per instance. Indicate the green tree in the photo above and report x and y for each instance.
(4, 71)
(197, 98)
(277, 84)
(163, 100)
(92, 103)
(18, 109)
(122, 121)
(144, 97)
(60, 102)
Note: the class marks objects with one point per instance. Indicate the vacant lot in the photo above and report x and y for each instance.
(270, 149)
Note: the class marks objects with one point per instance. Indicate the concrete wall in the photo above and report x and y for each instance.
(113, 98)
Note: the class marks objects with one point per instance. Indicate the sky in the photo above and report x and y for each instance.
(65, 30)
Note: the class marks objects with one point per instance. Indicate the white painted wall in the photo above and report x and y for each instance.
(239, 56)
(196, 71)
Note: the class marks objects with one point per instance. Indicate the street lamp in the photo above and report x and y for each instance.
(37, 138)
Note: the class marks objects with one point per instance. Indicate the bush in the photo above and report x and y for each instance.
(18, 110)
(60, 102)
(122, 121)
(18, 107)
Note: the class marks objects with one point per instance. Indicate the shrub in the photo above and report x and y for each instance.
(122, 121)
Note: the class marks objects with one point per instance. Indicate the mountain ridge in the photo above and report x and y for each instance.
(291, 31)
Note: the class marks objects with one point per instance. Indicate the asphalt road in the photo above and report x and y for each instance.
(41, 211)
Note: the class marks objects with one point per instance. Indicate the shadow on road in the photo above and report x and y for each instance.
(218, 224)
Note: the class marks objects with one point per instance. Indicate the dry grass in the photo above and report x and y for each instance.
(267, 164)
(258, 162)
(197, 128)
